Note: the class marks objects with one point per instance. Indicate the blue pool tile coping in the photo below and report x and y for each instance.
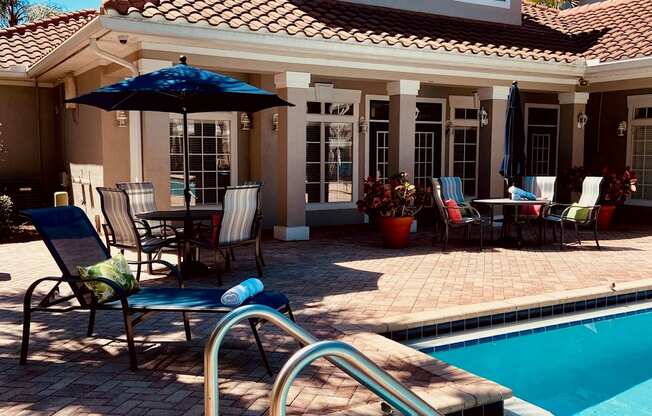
(514, 334)
(519, 316)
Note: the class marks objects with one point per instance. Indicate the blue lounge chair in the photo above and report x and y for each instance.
(73, 241)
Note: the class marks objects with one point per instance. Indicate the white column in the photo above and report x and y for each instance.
(402, 125)
(291, 167)
(492, 141)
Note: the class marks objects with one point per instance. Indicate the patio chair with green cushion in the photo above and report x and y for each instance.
(73, 242)
(123, 231)
(581, 214)
(452, 216)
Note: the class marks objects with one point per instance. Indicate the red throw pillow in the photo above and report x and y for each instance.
(454, 212)
(530, 210)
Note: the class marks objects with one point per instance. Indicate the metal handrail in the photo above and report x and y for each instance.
(410, 403)
(211, 353)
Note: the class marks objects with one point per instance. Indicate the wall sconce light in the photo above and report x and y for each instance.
(245, 122)
(484, 117)
(275, 122)
(622, 128)
(582, 119)
(363, 126)
(122, 117)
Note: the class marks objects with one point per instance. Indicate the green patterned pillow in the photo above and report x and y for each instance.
(115, 269)
(578, 213)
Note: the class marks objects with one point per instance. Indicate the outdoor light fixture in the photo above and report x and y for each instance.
(122, 117)
(484, 117)
(245, 122)
(363, 126)
(622, 128)
(275, 122)
(582, 119)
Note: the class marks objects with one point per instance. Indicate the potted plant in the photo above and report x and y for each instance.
(618, 188)
(392, 206)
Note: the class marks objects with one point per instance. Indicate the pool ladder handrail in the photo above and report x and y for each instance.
(342, 355)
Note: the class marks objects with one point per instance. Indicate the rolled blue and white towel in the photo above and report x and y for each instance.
(519, 194)
(241, 292)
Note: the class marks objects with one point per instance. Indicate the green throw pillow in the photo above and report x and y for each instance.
(115, 269)
(577, 213)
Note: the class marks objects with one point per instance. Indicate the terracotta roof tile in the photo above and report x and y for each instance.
(542, 29)
(26, 44)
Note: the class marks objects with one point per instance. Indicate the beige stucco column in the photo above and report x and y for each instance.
(492, 142)
(156, 143)
(571, 135)
(402, 125)
(291, 167)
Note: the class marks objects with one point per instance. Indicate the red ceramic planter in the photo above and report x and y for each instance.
(395, 231)
(605, 216)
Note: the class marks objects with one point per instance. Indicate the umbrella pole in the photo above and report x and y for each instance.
(186, 162)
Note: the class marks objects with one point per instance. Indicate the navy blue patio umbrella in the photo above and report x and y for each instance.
(181, 89)
(513, 164)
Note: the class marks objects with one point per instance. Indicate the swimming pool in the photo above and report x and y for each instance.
(600, 366)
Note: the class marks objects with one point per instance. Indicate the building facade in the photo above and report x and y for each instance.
(378, 87)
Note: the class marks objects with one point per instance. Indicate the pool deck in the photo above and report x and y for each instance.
(342, 284)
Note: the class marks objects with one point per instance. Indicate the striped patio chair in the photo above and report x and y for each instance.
(141, 200)
(451, 188)
(240, 225)
(541, 186)
(468, 217)
(582, 214)
(122, 231)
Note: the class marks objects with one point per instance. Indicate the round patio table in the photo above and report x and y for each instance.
(189, 267)
(508, 202)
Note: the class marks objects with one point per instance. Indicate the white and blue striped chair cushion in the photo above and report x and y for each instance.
(590, 191)
(240, 208)
(141, 199)
(541, 186)
(451, 188)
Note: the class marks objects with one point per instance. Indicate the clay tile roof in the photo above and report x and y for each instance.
(26, 44)
(614, 29)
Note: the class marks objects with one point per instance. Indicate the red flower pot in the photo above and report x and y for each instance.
(395, 231)
(605, 216)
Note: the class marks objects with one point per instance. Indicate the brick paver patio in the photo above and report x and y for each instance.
(340, 276)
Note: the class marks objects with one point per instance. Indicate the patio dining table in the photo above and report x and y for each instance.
(508, 202)
(189, 267)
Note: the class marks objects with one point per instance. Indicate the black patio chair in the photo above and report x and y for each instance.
(72, 241)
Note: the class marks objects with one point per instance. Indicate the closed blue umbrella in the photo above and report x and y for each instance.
(513, 164)
(181, 89)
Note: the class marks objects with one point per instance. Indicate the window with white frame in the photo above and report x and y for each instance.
(639, 146)
(211, 156)
(464, 142)
(378, 136)
(542, 130)
(331, 147)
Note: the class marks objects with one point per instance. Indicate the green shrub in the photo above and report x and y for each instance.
(6, 215)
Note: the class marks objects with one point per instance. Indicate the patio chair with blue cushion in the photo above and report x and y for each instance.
(581, 214)
(73, 242)
(451, 188)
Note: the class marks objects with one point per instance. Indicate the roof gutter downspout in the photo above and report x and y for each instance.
(135, 117)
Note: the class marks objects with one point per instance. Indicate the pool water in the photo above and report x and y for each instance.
(596, 367)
